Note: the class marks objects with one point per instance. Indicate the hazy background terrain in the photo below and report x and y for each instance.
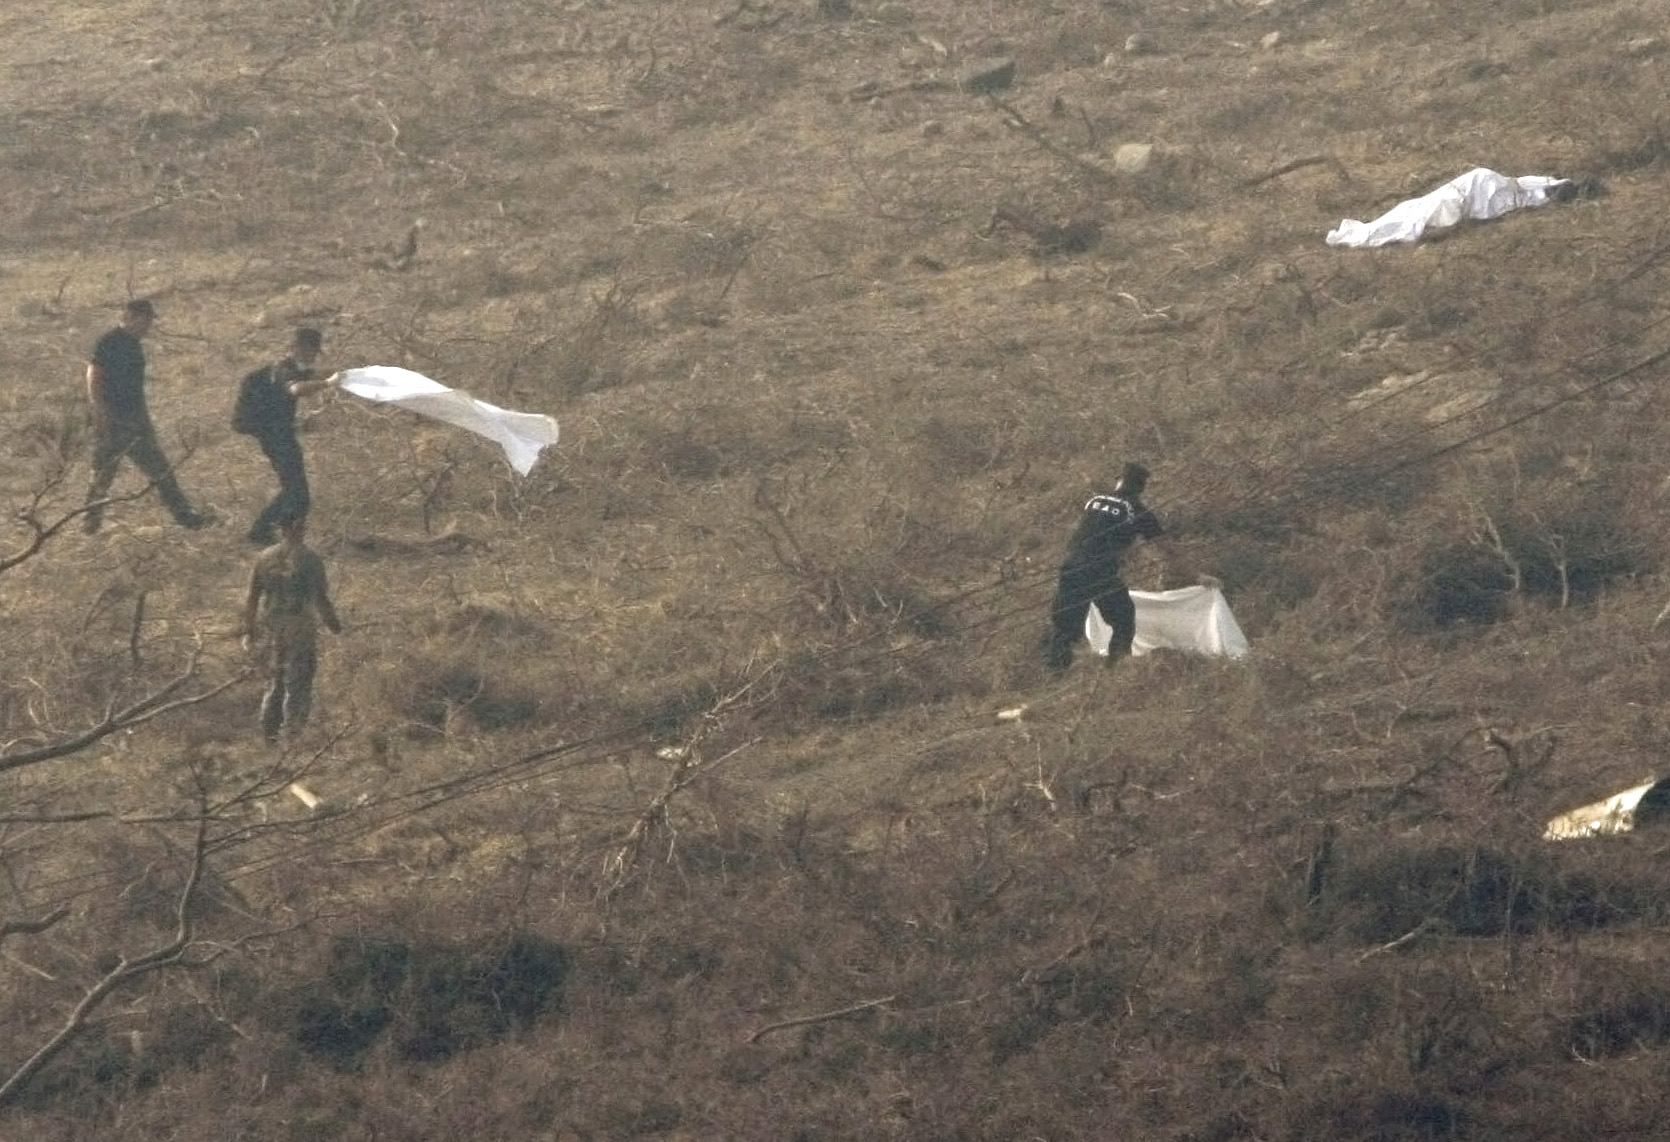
(663, 792)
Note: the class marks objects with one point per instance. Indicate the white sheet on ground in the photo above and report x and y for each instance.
(522, 435)
(1189, 618)
(1480, 193)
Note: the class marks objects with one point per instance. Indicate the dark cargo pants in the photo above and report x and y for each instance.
(1076, 590)
(289, 696)
(293, 499)
(138, 443)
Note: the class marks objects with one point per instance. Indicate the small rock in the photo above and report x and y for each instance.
(1111, 60)
(988, 76)
(1133, 158)
(1643, 45)
(1140, 44)
(1269, 40)
(932, 129)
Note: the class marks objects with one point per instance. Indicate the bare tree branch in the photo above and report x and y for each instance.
(32, 516)
(30, 927)
(125, 971)
(152, 705)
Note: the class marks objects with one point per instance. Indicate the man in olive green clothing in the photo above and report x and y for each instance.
(289, 578)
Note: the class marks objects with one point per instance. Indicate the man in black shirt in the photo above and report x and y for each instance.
(266, 410)
(121, 421)
(1108, 527)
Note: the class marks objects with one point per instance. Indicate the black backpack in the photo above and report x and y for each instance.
(246, 410)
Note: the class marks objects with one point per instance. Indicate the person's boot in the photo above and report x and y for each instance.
(1058, 655)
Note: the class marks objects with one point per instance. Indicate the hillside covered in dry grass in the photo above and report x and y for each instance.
(662, 792)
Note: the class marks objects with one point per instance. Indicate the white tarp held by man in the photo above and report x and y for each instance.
(1195, 619)
(522, 435)
(1479, 194)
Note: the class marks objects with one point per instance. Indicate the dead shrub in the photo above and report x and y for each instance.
(107, 1064)
(1625, 1007)
(429, 690)
(430, 1000)
(1383, 891)
(1399, 1115)
(485, 661)
(836, 693)
(1560, 553)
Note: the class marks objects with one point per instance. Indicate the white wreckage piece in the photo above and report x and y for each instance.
(1479, 194)
(1619, 813)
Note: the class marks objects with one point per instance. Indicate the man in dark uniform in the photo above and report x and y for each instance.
(289, 578)
(1109, 525)
(121, 421)
(266, 410)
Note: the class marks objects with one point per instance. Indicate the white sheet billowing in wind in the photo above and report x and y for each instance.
(522, 435)
(1189, 618)
(1480, 193)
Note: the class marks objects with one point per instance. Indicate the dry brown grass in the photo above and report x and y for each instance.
(696, 724)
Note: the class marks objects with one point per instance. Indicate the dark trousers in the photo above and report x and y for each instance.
(1075, 591)
(138, 443)
(289, 696)
(284, 453)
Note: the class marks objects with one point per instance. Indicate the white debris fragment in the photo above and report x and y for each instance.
(1619, 813)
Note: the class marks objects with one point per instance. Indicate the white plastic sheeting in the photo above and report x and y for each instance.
(1480, 193)
(522, 435)
(1190, 618)
(1619, 813)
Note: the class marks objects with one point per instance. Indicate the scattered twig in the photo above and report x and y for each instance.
(1407, 938)
(821, 1017)
(1025, 126)
(1297, 164)
(134, 628)
(870, 89)
(688, 767)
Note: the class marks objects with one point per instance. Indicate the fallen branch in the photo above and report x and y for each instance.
(30, 927)
(870, 89)
(821, 1017)
(1297, 164)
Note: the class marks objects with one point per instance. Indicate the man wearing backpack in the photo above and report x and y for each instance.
(1108, 526)
(266, 410)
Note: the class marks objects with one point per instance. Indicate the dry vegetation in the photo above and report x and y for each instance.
(662, 791)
